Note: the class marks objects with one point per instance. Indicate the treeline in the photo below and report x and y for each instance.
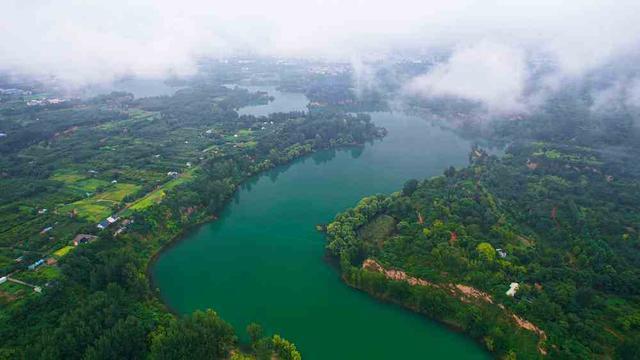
(558, 220)
(27, 128)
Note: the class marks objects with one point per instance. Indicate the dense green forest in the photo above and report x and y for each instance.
(145, 170)
(560, 221)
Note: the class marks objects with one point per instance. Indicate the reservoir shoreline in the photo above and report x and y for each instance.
(263, 260)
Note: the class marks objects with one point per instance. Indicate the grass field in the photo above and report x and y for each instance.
(245, 133)
(40, 276)
(90, 185)
(89, 209)
(79, 182)
(62, 252)
(135, 116)
(248, 144)
(157, 195)
(118, 192)
(67, 177)
(99, 206)
(378, 230)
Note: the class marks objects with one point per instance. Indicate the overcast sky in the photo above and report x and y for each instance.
(82, 41)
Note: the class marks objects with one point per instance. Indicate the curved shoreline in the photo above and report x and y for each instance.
(189, 228)
(264, 261)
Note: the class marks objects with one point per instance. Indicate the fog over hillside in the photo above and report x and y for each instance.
(495, 47)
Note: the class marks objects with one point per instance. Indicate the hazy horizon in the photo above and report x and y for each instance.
(494, 48)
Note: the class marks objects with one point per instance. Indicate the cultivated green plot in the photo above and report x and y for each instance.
(90, 185)
(89, 209)
(100, 206)
(157, 195)
(62, 252)
(118, 192)
(67, 177)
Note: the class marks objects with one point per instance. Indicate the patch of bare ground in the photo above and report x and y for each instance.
(466, 293)
(525, 241)
(7, 296)
(398, 275)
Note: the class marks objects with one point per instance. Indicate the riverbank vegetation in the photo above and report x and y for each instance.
(559, 221)
(93, 193)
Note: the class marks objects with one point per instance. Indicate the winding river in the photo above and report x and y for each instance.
(262, 260)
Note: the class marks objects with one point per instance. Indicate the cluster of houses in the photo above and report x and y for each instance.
(79, 239)
(123, 228)
(52, 101)
(111, 220)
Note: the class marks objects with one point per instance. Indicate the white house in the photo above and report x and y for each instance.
(512, 289)
(111, 219)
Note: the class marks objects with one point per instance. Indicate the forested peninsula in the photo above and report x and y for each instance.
(534, 254)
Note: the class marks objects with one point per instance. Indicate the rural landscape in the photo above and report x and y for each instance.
(174, 186)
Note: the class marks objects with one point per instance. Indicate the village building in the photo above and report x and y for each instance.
(501, 253)
(108, 221)
(513, 287)
(83, 239)
(113, 218)
(36, 264)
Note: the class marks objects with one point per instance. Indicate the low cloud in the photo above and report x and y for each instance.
(491, 73)
(82, 42)
(633, 94)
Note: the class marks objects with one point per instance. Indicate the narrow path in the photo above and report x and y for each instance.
(34, 287)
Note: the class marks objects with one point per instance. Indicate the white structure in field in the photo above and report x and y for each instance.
(512, 289)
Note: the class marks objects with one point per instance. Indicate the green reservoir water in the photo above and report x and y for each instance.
(262, 260)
